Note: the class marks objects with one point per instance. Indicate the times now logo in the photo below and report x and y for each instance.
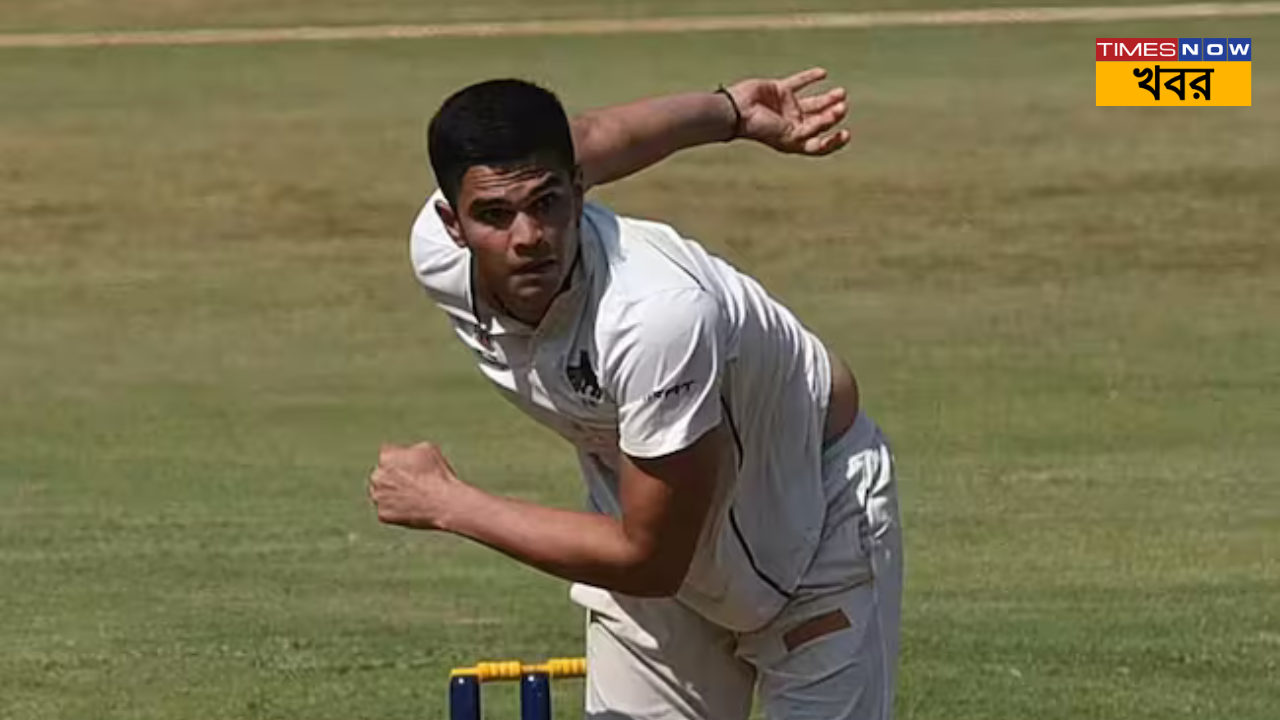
(1174, 49)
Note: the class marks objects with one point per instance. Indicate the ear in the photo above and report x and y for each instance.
(579, 185)
(451, 224)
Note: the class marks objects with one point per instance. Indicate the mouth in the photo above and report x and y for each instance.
(537, 267)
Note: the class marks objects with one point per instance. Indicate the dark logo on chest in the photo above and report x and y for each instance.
(672, 391)
(583, 379)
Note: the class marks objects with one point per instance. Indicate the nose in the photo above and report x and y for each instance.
(526, 234)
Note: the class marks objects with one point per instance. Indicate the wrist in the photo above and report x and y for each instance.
(458, 507)
(733, 115)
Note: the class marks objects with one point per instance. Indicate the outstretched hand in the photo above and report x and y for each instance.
(775, 114)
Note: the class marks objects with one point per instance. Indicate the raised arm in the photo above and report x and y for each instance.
(617, 141)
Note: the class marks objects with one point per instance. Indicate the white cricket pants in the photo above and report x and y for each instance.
(830, 654)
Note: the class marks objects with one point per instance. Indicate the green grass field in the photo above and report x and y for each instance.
(76, 15)
(1065, 316)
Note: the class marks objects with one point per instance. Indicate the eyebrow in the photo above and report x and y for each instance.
(546, 184)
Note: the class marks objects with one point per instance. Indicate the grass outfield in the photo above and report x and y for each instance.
(1065, 316)
(65, 15)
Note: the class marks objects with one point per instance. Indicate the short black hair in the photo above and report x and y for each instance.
(497, 122)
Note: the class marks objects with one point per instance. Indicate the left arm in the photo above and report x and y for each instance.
(614, 142)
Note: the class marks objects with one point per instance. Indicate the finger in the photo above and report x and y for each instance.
(818, 103)
(827, 144)
(821, 122)
(431, 453)
(399, 456)
(803, 79)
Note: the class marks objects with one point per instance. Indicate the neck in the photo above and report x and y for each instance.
(528, 316)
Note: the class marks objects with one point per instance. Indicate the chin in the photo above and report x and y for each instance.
(530, 298)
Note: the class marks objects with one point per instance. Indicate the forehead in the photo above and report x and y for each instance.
(494, 182)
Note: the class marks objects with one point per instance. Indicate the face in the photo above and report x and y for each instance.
(521, 225)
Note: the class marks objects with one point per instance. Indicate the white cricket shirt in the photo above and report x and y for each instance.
(654, 343)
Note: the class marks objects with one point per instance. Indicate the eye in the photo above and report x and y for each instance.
(495, 217)
(546, 203)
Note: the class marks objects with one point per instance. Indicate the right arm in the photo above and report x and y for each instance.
(614, 142)
(644, 553)
(674, 452)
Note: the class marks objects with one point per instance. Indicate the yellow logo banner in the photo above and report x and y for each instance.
(1174, 83)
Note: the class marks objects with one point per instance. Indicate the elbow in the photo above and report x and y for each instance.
(656, 579)
(656, 588)
(581, 127)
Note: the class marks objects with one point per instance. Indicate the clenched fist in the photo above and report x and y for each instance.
(413, 487)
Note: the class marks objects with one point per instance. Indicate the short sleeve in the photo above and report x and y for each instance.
(663, 369)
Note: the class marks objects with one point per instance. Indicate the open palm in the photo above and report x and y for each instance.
(775, 114)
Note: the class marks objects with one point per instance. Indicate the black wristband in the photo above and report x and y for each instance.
(737, 114)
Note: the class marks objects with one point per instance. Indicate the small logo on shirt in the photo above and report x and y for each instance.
(583, 379)
(486, 349)
(672, 391)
